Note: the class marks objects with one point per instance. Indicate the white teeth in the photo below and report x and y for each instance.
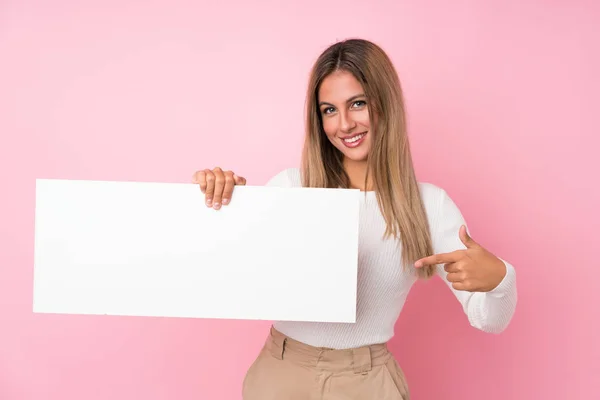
(354, 139)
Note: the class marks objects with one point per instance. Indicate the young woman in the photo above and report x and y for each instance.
(356, 138)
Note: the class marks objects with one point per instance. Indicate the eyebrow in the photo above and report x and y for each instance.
(323, 103)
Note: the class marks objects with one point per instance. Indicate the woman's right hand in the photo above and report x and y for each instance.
(217, 185)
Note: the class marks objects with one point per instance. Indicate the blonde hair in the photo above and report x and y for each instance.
(389, 162)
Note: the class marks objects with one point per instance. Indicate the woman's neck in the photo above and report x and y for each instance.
(357, 172)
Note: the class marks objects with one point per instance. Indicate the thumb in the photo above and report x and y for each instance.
(239, 180)
(466, 238)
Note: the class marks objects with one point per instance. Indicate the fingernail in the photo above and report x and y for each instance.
(209, 202)
(225, 201)
(217, 206)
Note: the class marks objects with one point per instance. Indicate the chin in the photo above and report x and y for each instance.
(356, 156)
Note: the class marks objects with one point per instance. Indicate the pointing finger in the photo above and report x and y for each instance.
(442, 258)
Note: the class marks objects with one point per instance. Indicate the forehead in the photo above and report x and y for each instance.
(339, 87)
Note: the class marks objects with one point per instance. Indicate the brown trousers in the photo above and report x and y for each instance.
(287, 369)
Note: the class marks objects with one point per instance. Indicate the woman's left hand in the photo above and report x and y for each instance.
(474, 269)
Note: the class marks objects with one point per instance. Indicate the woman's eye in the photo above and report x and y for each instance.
(359, 103)
(328, 110)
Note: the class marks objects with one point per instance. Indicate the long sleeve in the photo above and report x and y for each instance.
(487, 311)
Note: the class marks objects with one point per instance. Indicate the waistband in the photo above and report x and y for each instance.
(360, 359)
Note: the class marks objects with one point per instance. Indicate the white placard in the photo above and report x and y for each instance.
(155, 249)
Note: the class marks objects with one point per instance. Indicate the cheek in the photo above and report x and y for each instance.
(330, 127)
(363, 119)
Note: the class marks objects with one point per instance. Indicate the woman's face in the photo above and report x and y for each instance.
(345, 115)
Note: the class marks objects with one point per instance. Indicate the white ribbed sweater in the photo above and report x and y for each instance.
(383, 285)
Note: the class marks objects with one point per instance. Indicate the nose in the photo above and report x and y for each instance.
(347, 124)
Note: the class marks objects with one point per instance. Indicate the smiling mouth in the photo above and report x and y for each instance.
(355, 138)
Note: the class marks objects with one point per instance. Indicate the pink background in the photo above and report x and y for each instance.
(501, 98)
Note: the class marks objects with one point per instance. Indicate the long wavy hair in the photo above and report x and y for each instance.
(390, 164)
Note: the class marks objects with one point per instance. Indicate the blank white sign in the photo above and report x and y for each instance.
(156, 249)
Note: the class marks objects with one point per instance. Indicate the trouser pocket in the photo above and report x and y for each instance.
(272, 379)
(397, 377)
